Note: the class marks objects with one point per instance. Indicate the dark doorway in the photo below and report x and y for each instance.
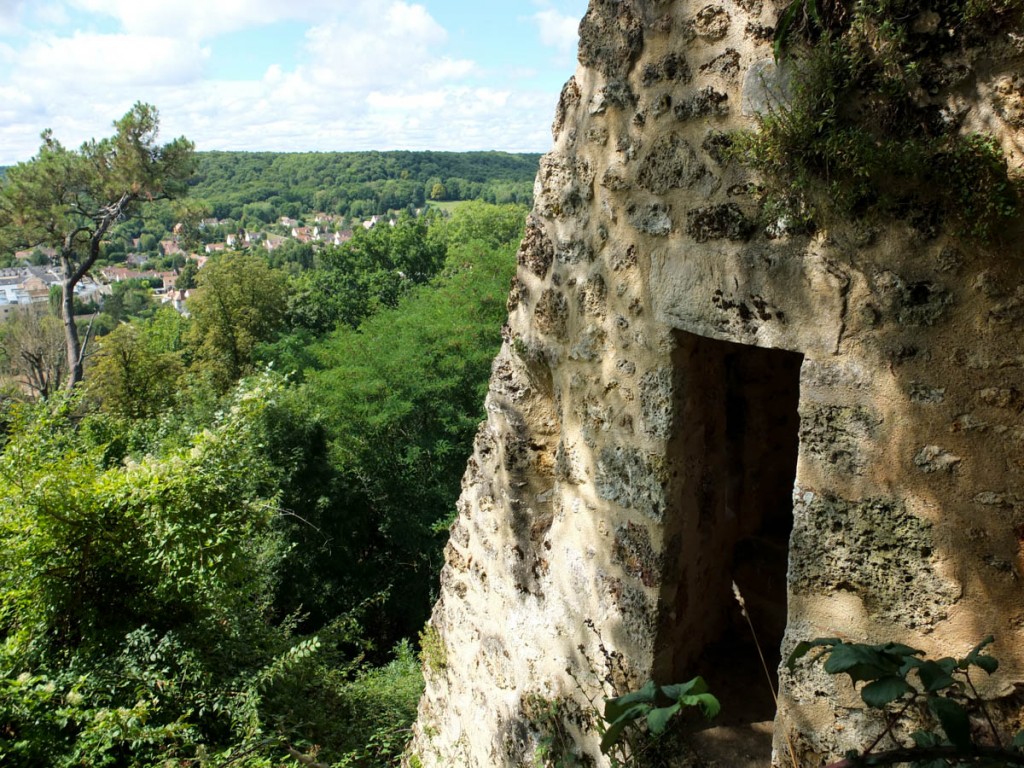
(732, 459)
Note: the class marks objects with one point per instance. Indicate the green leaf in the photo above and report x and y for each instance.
(708, 704)
(1018, 740)
(953, 719)
(987, 663)
(657, 719)
(677, 691)
(804, 646)
(975, 657)
(860, 662)
(615, 708)
(611, 736)
(615, 729)
(925, 739)
(935, 675)
(884, 691)
(784, 27)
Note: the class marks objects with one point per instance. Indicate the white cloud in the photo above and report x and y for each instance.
(205, 18)
(379, 75)
(10, 14)
(449, 69)
(557, 30)
(87, 58)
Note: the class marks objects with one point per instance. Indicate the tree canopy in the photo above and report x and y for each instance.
(69, 199)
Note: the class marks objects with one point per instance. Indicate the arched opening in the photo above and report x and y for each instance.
(732, 462)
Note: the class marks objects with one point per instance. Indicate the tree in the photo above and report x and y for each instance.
(136, 370)
(187, 276)
(402, 398)
(33, 346)
(69, 200)
(239, 302)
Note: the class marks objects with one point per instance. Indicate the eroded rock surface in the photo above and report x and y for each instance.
(690, 394)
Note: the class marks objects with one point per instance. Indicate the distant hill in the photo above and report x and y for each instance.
(357, 183)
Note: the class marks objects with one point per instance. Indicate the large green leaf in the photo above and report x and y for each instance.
(953, 719)
(657, 719)
(977, 659)
(677, 691)
(860, 662)
(615, 729)
(804, 646)
(937, 675)
(884, 691)
(615, 708)
(707, 703)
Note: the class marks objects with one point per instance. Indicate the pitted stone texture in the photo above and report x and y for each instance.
(536, 251)
(672, 163)
(608, 451)
(711, 23)
(567, 103)
(935, 458)
(715, 222)
(915, 303)
(611, 37)
(651, 218)
(629, 478)
(840, 436)
(657, 402)
(873, 548)
(592, 298)
(726, 64)
(706, 103)
(671, 68)
(565, 187)
(634, 552)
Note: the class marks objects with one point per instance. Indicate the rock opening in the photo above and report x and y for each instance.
(732, 463)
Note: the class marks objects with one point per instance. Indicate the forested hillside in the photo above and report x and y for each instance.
(356, 183)
(221, 548)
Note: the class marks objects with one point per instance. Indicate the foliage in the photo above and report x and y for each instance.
(556, 746)
(266, 185)
(433, 652)
(69, 200)
(401, 399)
(654, 706)
(911, 689)
(860, 133)
(33, 353)
(369, 273)
(137, 366)
(238, 303)
(199, 571)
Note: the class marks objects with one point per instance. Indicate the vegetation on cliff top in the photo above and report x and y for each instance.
(864, 132)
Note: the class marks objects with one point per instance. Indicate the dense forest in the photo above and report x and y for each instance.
(221, 547)
(264, 185)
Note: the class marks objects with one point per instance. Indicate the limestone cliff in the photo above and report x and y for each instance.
(687, 397)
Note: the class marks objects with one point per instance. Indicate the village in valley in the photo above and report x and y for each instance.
(170, 272)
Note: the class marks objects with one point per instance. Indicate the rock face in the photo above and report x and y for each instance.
(686, 398)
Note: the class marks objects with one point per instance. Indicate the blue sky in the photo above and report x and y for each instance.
(288, 75)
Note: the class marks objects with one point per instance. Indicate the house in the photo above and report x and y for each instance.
(303, 234)
(176, 299)
(273, 241)
(171, 247)
(12, 299)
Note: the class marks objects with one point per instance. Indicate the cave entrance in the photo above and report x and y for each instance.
(732, 458)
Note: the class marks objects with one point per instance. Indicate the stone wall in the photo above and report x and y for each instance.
(682, 392)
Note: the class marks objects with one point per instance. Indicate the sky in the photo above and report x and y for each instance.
(288, 75)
